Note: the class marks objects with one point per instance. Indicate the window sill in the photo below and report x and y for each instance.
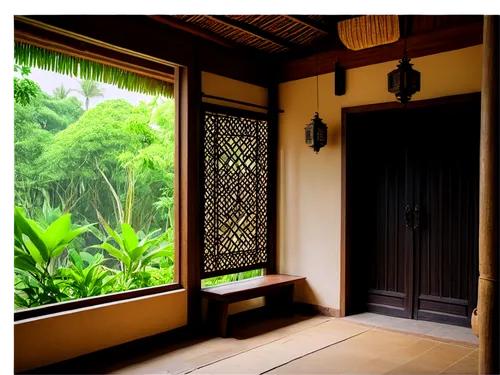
(93, 302)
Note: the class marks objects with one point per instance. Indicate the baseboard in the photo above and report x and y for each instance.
(309, 308)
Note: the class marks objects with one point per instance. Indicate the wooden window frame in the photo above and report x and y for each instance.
(154, 68)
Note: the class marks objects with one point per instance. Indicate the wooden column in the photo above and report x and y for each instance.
(487, 309)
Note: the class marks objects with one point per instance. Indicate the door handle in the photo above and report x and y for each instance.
(408, 211)
(417, 217)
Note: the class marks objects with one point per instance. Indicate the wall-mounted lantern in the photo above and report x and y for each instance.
(316, 133)
(404, 81)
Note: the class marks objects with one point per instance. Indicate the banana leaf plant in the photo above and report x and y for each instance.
(34, 250)
(86, 277)
(134, 254)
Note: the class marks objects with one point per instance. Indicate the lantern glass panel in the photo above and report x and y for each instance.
(310, 135)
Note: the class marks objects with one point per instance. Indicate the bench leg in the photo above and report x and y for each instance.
(281, 302)
(217, 317)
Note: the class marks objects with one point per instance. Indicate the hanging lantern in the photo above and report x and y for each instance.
(404, 81)
(316, 133)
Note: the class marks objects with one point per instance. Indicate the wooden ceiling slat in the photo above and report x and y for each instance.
(304, 20)
(193, 30)
(249, 29)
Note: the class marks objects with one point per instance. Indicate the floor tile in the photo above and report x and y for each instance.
(433, 361)
(467, 365)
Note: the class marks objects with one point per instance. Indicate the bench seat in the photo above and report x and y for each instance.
(278, 290)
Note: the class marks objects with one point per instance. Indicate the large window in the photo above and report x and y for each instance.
(235, 146)
(94, 180)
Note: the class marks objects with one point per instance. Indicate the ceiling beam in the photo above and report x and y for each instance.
(252, 30)
(198, 31)
(422, 44)
(304, 20)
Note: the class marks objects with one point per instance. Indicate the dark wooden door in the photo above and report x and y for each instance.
(412, 198)
(445, 162)
(379, 189)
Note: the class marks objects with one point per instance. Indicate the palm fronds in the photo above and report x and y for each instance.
(36, 57)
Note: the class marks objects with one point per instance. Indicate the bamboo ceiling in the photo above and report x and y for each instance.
(269, 33)
(302, 35)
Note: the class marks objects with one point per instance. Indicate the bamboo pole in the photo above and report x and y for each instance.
(487, 309)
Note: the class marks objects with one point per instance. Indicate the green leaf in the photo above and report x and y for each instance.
(130, 239)
(57, 251)
(111, 280)
(110, 231)
(138, 251)
(78, 278)
(76, 259)
(73, 234)
(23, 265)
(27, 229)
(90, 274)
(34, 252)
(113, 251)
(146, 238)
(20, 301)
(21, 254)
(36, 227)
(57, 231)
(162, 251)
(87, 257)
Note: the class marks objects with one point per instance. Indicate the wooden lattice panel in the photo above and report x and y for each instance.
(235, 192)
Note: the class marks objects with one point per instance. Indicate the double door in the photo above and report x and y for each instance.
(414, 211)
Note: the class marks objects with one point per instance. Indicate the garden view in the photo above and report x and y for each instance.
(94, 192)
(93, 180)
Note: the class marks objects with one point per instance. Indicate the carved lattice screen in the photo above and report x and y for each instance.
(235, 146)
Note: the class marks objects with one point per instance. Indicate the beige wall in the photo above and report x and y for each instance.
(216, 85)
(50, 339)
(309, 185)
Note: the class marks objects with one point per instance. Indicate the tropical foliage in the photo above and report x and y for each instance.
(60, 92)
(90, 89)
(94, 194)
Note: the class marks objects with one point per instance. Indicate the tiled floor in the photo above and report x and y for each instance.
(428, 329)
(298, 345)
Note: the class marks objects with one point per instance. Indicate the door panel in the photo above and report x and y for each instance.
(380, 238)
(388, 285)
(426, 159)
(446, 192)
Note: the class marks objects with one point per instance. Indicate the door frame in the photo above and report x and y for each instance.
(344, 236)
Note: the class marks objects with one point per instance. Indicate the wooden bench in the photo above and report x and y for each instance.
(278, 290)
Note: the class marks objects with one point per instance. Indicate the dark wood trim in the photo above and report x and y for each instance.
(192, 29)
(219, 98)
(461, 98)
(418, 45)
(176, 47)
(29, 34)
(190, 165)
(88, 302)
(344, 240)
(179, 254)
(304, 20)
(345, 260)
(434, 316)
(209, 107)
(76, 27)
(272, 201)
